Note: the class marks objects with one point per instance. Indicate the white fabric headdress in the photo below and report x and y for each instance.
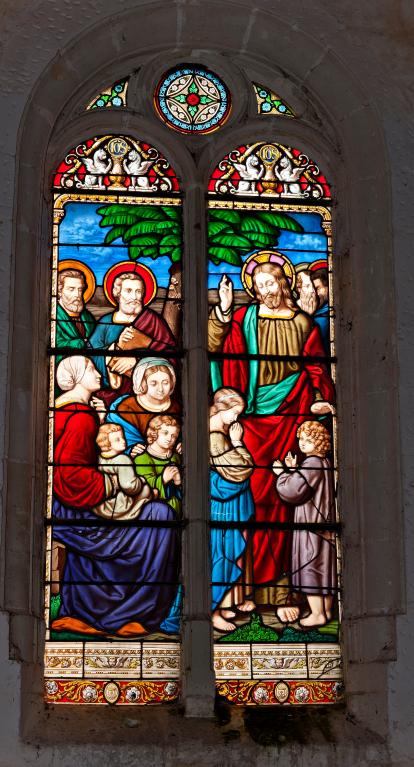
(145, 364)
(70, 371)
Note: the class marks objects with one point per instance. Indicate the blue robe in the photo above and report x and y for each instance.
(321, 319)
(118, 575)
(230, 502)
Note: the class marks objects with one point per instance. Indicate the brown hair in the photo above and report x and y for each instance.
(155, 424)
(102, 440)
(224, 399)
(69, 273)
(149, 372)
(320, 274)
(318, 434)
(117, 286)
(278, 273)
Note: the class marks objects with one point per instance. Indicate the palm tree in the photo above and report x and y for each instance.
(151, 231)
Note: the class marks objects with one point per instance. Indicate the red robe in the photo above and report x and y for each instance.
(77, 483)
(270, 437)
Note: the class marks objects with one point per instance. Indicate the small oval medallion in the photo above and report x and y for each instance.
(111, 692)
(282, 691)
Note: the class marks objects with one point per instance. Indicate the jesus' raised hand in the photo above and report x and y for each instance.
(225, 290)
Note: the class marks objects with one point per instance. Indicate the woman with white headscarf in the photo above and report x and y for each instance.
(153, 382)
(140, 562)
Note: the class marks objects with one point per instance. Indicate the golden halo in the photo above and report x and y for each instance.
(146, 275)
(70, 263)
(264, 257)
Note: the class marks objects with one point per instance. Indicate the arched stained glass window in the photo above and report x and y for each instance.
(115, 504)
(113, 520)
(273, 465)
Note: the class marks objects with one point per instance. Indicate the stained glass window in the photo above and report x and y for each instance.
(114, 96)
(275, 557)
(269, 103)
(192, 99)
(114, 516)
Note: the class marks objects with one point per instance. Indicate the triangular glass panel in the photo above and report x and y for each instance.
(114, 96)
(269, 103)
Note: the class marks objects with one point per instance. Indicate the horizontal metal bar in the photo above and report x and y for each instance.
(103, 522)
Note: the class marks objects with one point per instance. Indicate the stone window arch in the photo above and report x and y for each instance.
(349, 145)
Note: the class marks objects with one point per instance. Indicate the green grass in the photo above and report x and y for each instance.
(257, 631)
(254, 631)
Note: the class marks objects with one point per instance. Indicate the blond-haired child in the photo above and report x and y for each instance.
(309, 486)
(159, 463)
(133, 491)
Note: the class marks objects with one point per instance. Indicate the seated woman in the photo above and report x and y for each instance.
(117, 580)
(153, 383)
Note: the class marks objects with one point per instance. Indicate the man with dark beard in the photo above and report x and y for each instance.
(282, 388)
(74, 323)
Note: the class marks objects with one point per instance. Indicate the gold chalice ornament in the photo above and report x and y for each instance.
(117, 148)
(269, 156)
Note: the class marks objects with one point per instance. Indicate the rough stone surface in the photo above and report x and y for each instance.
(349, 70)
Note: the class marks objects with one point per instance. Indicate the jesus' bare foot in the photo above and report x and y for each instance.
(311, 620)
(287, 614)
(247, 606)
(227, 613)
(221, 624)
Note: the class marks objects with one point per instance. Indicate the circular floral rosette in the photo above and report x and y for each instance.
(192, 99)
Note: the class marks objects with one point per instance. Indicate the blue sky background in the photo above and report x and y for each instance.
(80, 226)
(299, 248)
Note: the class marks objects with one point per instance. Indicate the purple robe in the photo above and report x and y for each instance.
(309, 488)
(118, 575)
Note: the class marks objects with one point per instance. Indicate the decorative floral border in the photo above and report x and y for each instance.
(242, 693)
(108, 691)
(294, 692)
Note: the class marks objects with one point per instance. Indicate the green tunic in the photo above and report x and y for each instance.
(67, 334)
(150, 467)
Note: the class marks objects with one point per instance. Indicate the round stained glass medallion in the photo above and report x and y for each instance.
(192, 99)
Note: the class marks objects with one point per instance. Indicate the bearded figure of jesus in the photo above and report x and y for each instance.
(282, 388)
(131, 326)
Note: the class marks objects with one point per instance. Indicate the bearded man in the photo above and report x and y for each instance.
(131, 326)
(321, 284)
(308, 299)
(283, 383)
(74, 323)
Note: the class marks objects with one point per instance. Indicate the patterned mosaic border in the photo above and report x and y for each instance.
(107, 691)
(247, 693)
(263, 693)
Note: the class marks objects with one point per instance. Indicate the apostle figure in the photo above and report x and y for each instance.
(282, 388)
(308, 299)
(319, 275)
(74, 323)
(129, 287)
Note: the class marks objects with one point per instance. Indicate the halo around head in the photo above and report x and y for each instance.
(147, 276)
(321, 263)
(70, 263)
(265, 257)
(303, 267)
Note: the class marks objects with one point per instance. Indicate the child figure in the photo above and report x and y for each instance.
(159, 463)
(231, 466)
(309, 487)
(133, 492)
